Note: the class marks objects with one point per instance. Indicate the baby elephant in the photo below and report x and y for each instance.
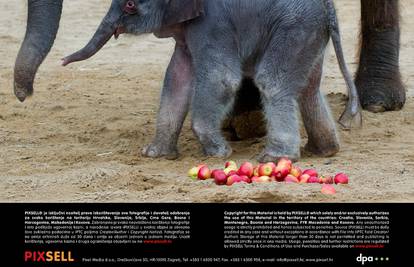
(279, 44)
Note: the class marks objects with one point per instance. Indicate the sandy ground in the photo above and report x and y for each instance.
(78, 138)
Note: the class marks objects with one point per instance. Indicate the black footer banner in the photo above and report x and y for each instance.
(205, 234)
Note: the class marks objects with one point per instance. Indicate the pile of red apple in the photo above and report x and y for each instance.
(282, 171)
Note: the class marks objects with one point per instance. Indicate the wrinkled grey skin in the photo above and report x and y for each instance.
(42, 26)
(280, 44)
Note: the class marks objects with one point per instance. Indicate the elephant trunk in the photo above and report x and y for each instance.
(42, 26)
(109, 26)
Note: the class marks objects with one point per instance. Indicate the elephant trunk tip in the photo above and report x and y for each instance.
(75, 57)
(110, 26)
(66, 61)
(22, 92)
(89, 50)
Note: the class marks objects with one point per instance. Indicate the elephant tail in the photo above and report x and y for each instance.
(352, 114)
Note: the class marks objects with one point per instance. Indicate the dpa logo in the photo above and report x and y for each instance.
(363, 259)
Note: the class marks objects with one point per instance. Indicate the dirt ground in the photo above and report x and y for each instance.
(78, 139)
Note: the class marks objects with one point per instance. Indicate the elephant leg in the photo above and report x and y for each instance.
(281, 112)
(175, 100)
(279, 87)
(319, 124)
(378, 78)
(282, 76)
(216, 89)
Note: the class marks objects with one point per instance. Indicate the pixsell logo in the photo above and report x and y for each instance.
(48, 256)
(362, 259)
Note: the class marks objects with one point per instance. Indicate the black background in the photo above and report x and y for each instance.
(207, 235)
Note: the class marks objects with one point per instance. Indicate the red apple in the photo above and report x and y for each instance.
(230, 163)
(313, 180)
(245, 179)
(230, 169)
(278, 179)
(213, 172)
(281, 171)
(311, 172)
(256, 170)
(220, 178)
(291, 179)
(328, 189)
(304, 178)
(272, 164)
(261, 179)
(193, 173)
(266, 170)
(341, 178)
(246, 169)
(204, 173)
(232, 173)
(326, 180)
(284, 161)
(329, 180)
(295, 171)
(234, 179)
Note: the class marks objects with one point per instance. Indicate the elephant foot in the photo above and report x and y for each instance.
(378, 78)
(266, 156)
(155, 150)
(221, 151)
(328, 150)
(217, 150)
(379, 95)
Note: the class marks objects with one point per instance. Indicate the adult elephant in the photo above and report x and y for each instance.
(378, 78)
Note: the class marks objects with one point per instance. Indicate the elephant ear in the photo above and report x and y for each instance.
(176, 13)
(179, 11)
